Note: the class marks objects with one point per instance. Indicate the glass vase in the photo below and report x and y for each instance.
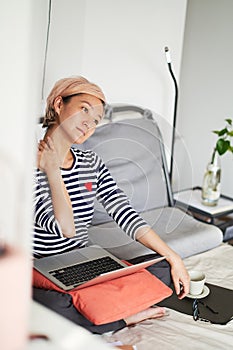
(211, 187)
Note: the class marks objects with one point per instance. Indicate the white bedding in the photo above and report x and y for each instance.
(180, 331)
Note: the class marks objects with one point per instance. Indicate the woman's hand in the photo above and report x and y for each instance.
(47, 159)
(180, 276)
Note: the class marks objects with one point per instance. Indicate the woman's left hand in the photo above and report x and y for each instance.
(180, 277)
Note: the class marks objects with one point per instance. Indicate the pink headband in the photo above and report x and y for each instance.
(70, 86)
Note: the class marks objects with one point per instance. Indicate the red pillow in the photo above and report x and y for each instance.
(113, 300)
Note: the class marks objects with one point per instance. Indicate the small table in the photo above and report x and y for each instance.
(220, 215)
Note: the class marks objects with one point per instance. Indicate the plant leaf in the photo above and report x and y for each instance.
(229, 121)
(222, 146)
(221, 132)
(230, 133)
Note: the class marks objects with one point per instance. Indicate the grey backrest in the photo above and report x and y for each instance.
(131, 145)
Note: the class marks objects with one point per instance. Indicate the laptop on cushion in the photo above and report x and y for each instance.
(85, 267)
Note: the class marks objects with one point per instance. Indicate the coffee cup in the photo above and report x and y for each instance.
(197, 282)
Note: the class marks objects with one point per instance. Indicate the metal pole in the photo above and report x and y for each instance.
(174, 112)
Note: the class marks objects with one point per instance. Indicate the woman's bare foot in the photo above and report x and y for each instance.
(151, 312)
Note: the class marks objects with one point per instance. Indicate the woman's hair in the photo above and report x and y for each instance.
(66, 88)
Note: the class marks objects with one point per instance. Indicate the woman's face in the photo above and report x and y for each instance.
(79, 116)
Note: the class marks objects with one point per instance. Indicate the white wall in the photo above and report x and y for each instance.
(206, 87)
(66, 39)
(120, 46)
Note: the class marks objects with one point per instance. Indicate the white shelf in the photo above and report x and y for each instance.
(192, 199)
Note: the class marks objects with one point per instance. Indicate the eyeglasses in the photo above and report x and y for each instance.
(196, 313)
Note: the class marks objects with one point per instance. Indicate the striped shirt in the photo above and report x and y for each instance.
(87, 179)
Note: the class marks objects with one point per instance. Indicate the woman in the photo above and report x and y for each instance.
(67, 182)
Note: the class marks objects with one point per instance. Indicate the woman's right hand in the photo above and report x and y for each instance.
(47, 158)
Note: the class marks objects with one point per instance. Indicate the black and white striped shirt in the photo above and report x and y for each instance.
(87, 179)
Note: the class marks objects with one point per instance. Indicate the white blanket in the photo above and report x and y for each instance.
(180, 331)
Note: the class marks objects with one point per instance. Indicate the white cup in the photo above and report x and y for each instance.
(197, 282)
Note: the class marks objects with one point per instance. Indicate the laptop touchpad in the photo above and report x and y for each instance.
(93, 252)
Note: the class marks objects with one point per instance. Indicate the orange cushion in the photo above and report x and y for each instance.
(113, 300)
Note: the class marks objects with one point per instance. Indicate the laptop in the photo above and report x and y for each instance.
(85, 267)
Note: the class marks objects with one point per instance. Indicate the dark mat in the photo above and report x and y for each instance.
(217, 307)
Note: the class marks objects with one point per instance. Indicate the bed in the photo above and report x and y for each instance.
(178, 330)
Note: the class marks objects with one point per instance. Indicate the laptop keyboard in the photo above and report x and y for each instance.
(82, 272)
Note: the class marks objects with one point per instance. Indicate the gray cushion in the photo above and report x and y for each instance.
(180, 231)
(183, 233)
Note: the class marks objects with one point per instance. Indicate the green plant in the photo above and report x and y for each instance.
(223, 143)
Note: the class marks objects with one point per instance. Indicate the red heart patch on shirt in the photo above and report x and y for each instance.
(88, 186)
